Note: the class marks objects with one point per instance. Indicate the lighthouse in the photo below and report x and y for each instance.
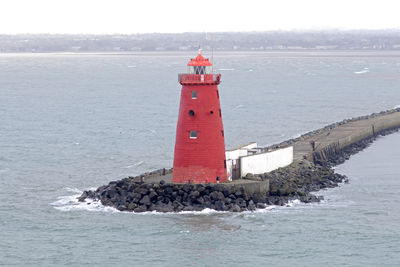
(199, 146)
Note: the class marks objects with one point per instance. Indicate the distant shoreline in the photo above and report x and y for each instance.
(294, 53)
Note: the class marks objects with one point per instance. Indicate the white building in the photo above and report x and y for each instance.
(251, 159)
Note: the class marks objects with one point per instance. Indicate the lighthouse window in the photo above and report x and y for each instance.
(211, 111)
(194, 94)
(217, 94)
(222, 132)
(219, 112)
(191, 113)
(193, 134)
(225, 164)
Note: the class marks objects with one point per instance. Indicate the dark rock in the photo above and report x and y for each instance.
(200, 200)
(228, 200)
(153, 195)
(241, 202)
(132, 206)
(251, 207)
(187, 188)
(235, 208)
(219, 205)
(122, 208)
(142, 191)
(166, 208)
(194, 194)
(141, 208)
(168, 191)
(111, 193)
(145, 200)
(261, 206)
(188, 208)
(83, 196)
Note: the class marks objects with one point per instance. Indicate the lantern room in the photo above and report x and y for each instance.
(199, 65)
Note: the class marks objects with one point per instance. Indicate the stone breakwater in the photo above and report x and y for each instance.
(332, 126)
(310, 173)
(286, 184)
(331, 158)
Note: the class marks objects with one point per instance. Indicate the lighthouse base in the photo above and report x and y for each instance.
(198, 175)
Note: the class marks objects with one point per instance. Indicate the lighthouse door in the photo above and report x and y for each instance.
(236, 169)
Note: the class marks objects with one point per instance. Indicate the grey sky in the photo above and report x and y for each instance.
(131, 16)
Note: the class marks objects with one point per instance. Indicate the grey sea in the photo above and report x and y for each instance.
(70, 122)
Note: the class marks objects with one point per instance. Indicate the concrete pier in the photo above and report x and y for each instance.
(331, 139)
(314, 155)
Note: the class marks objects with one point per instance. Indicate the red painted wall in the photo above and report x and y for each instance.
(202, 159)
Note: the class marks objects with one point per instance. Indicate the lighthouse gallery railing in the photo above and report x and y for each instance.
(199, 78)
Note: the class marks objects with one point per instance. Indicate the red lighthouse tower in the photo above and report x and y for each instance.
(199, 146)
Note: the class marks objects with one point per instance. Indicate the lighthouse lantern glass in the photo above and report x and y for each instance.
(200, 69)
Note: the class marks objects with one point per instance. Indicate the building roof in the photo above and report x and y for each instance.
(199, 61)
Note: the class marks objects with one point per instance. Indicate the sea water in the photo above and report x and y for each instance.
(71, 122)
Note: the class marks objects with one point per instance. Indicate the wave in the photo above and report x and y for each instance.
(138, 163)
(71, 203)
(238, 106)
(73, 190)
(296, 135)
(226, 69)
(365, 70)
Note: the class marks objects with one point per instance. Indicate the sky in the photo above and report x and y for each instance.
(175, 16)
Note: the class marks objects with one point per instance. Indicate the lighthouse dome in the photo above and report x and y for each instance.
(199, 65)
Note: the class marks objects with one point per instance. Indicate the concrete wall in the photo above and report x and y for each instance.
(266, 162)
(253, 189)
(358, 134)
(240, 151)
(232, 159)
(361, 134)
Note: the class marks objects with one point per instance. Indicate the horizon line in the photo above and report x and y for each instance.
(217, 32)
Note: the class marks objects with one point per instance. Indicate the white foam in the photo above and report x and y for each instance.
(226, 69)
(238, 106)
(296, 135)
(138, 163)
(205, 211)
(266, 209)
(71, 203)
(73, 190)
(365, 70)
(293, 203)
(398, 106)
